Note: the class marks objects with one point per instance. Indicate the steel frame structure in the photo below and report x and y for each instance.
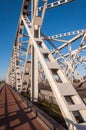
(30, 51)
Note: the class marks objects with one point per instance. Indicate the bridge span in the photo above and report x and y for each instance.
(58, 60)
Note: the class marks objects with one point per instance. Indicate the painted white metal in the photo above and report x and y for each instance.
(36, 47)
(66, 34)
(52, 4)
(55, 87)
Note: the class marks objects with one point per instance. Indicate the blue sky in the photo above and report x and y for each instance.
(61, 19)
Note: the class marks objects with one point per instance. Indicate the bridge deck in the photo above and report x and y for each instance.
(14, 114)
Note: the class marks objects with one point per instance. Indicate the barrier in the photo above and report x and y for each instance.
(47, 120)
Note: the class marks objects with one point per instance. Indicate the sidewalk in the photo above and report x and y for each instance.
(14, 114)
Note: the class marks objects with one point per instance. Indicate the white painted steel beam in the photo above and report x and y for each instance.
(52, 5)
(66, 34)
(54, 86)
(37, 49)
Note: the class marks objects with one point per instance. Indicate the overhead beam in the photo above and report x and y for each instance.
(73, 52)
(67, 43)
(66, 34)
(53, 5)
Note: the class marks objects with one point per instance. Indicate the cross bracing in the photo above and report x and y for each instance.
(32, 57)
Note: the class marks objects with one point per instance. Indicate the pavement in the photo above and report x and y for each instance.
(14, 114)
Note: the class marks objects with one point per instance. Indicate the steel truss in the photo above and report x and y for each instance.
(31, 56)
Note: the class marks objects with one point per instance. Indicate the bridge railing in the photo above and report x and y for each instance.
(46, 120)
(1, 86)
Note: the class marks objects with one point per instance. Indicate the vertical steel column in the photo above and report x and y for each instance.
(34, 63)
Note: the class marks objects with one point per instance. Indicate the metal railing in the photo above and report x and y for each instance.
(46, 120)
(1, 86)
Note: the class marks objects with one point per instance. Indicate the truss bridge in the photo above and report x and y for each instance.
(50, 62)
